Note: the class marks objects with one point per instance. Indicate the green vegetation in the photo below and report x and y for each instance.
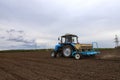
(44, 50)
(34, 50)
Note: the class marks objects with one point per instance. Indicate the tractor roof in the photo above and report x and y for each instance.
(69, 35)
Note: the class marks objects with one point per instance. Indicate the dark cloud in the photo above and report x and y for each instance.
(21, 40)
(13, 31)
(2, 37)
(18, 36)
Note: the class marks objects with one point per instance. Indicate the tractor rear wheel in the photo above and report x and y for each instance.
(53, 54)
(77, 56)
(67, 51)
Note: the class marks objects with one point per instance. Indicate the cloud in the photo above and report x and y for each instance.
(15, 39)
(19, 36)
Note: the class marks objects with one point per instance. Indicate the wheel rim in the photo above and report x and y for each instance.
(67, 52)
(77, 56)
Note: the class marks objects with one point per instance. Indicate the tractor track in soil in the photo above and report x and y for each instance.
(40, 66)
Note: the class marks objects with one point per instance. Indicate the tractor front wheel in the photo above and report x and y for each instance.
(53, 54)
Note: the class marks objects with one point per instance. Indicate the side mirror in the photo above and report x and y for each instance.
(58, 39)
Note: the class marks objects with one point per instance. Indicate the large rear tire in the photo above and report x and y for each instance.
(67, 51)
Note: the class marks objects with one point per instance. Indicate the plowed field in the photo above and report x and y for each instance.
(38, 65)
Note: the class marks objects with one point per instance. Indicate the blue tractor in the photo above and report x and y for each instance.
(70, 47)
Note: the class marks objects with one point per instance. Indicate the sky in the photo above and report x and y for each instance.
(31, 24)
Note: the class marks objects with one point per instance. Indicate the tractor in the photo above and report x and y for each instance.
(69, 46)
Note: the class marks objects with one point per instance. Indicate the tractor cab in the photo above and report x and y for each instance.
(69, 38)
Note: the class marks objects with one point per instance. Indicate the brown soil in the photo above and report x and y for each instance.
(40, 66)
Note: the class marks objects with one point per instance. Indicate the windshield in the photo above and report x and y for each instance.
(69, 39)
(74, 40)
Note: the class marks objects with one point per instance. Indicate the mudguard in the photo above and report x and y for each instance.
(57, 47)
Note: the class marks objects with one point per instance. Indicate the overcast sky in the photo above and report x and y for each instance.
(38, 23)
